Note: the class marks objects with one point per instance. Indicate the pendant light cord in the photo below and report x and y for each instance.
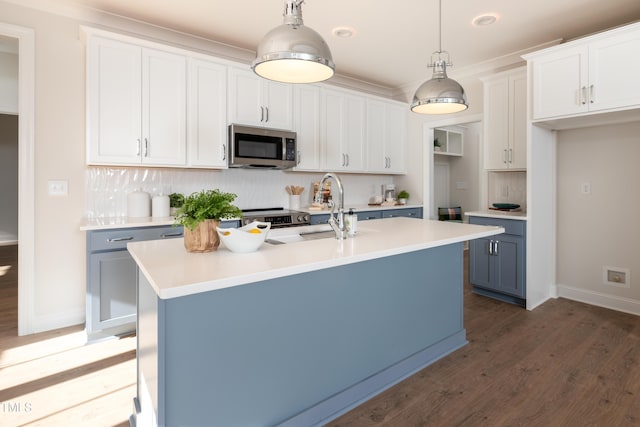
(440, 26)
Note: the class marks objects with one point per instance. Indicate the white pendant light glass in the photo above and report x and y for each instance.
(440, 95)
(292, 52)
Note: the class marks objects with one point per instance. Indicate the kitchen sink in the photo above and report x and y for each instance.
(300, 234)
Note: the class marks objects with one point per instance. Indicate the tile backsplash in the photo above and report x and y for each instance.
(508, 187)
(107, 187)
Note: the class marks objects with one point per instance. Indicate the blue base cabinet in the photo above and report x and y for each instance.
(112, 276)
(373, 214)
(497, 265)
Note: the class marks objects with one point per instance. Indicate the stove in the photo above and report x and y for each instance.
(278, 217)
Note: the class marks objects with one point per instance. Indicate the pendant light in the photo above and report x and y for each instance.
(292, 52)
(440, 95)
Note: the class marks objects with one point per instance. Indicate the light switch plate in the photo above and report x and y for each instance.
(58, 187)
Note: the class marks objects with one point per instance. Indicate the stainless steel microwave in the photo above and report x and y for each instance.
(256, 147)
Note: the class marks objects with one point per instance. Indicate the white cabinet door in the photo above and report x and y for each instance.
(207, 114)
(518, 121)
(259, 102)
(306, 101)
(114, 102)
(614, 70)
(343, 131)
(559, 80)
(386, 136)
(396, 138)
(505, 120)
(136, 105)
(164, 117)
(278, 104)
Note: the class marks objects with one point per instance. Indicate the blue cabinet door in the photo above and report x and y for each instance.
(497, 265)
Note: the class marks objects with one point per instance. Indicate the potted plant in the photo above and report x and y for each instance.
(402, 197)
(176, 200)
(436, 145)
(200, 215)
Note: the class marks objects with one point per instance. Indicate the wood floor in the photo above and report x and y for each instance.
(53, 378)
(563, 364)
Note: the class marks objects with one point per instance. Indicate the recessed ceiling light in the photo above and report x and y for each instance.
(484, 20)
(343, 32)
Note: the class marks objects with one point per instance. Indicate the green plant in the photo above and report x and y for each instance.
(436, 143)
(207, 204)
(176, 200)
(403, 195)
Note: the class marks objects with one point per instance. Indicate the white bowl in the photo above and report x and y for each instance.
(242, 240)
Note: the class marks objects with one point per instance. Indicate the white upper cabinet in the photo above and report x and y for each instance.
(343, 131)
(207, 114)
(136, 110)
(259, 102)
(589, 75)
(164, 108)
(386, 136)
(306, 115)
(505, 120)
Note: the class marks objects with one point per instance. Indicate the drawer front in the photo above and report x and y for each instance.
(408, 212)
(365, 215)
(511, 226)
(113, 239)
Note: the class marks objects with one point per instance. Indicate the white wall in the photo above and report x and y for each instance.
(8, 178)
(601, 228)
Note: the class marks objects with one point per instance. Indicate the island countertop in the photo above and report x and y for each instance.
(174, 272)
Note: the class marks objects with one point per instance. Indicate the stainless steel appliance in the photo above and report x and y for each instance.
(278, 217)
(255, 147)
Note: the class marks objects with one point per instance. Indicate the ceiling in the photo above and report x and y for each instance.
(393, 39)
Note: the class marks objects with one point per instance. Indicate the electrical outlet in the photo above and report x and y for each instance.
(58, 187)
(585, 188)
(616, 276)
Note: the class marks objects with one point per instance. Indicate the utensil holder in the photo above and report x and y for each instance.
(294, 201)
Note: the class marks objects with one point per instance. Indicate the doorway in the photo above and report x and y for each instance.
(25, 39)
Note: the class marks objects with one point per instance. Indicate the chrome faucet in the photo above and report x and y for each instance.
(337, 224)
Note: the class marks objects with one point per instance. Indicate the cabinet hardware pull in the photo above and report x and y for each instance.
(119, 239)
(138, 147)
(490, 247)
(165, 235)
(347, 159)
(224, 152)
(495, 247)
(583, 95)
(504, 156)
(262, 114)
(591, 94)
(146, 147)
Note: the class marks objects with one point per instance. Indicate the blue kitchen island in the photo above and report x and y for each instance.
(299, 333)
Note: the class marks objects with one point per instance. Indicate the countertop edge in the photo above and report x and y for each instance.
(243, 279)
(521, 216)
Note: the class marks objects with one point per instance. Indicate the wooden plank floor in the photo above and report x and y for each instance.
(563, 364)
(53, 378)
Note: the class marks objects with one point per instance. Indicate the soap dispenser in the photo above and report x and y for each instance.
(352, 223)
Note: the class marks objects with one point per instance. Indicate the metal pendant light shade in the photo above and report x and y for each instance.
(292, 52)
(440, 95)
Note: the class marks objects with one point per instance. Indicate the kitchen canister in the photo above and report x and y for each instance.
(160, 206)
(138, 204)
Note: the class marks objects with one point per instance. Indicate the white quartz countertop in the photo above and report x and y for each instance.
(174, 272)
(499, 214)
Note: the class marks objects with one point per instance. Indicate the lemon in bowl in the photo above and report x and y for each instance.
(244, 239)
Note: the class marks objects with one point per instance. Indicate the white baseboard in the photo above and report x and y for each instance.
(625, 305)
